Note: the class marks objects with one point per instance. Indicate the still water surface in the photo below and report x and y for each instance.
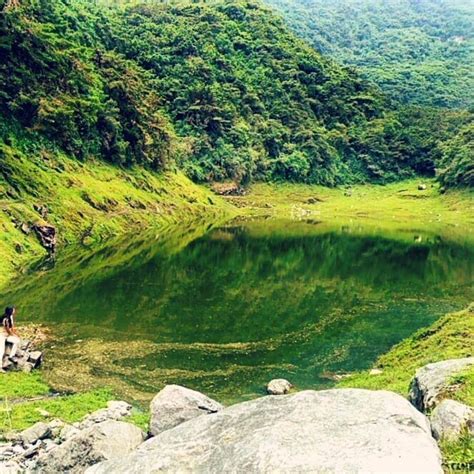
(225, 310)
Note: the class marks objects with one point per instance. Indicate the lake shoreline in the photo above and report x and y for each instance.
(174, 200)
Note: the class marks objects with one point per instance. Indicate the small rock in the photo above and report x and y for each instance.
(56, 426)
(421, 187)
(432, 380)
(227, 189)
(35, 357)
(449, 419)
(314, 200)
(175, 405)
(28, 367)
(48, 445)
(38, 431)
(22, 361)
(43, 412)
(115, 411)
(17, 449)
(25, 228)
(32, 450)
(68, 432)
(5, 448)
(278, 387)
(25, 344)
(41, 209)
(47, 236)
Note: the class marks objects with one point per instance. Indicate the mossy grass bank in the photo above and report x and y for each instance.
(396, 205)
(89, 203)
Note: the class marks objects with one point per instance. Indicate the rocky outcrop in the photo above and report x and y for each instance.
(175, 405)
(278, 387)
(450, 418)
(60, 447)
(228, 189)
(343, 430)
(25, 358)
(432, 380)
(47, 236)
(106, 440)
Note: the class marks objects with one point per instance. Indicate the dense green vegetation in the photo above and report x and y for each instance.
(89, 101)
(223, 90)
(457, 158)
(251, 99)
(420, 52)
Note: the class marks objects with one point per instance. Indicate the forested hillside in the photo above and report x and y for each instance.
(418, 52)
(222, 90)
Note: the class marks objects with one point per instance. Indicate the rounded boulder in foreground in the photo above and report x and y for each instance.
(332, 431)
(278, 387)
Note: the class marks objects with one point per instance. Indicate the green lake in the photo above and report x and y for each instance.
(226, 309)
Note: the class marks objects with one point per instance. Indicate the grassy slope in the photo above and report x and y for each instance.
(91, 203)
(450, 337)
(88, 203)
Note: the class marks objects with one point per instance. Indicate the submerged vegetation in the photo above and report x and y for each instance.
(451, 337)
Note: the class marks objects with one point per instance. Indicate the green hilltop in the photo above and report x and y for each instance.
(417, 51)
(223, 90)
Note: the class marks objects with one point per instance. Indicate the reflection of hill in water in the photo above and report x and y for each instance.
(231, 305)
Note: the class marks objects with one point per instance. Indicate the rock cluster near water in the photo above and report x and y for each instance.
(430, 391)
(337, 430)
(431, 382)
(25, 359)
(60, 447)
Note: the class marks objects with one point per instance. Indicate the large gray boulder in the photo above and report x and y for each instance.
(450, 418)
(102, 441)
(175, 405)
(343, 430)
(432, 380)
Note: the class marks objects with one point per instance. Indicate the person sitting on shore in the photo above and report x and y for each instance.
(8, 333)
